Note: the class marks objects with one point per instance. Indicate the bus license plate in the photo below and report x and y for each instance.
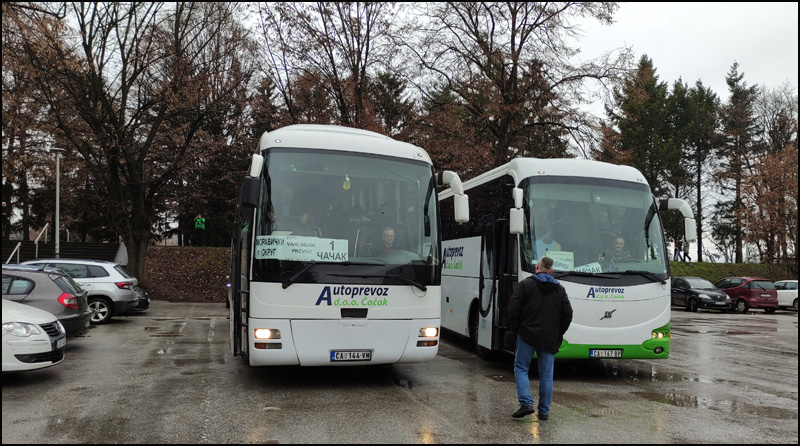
(594, 353)
(361, 355)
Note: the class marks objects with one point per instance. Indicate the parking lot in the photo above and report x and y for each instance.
(166, 376)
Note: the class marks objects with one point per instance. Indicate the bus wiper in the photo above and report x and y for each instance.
(647, 274)
(288, 283)
(393, 276)
(560, 274)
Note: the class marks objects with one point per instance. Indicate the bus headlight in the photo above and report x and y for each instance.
(659, 335)
(428, 332)
(267, 333)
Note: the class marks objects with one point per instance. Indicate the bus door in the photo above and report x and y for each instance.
(240, 282)
(487, 283)
(506, 279)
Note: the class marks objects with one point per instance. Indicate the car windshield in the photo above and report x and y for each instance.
(696, 282)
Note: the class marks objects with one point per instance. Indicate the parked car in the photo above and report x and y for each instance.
(143, 298)
(750, 292)
(51, 290)
(112, 290)
(32, 338)
(695, 292)
(787, 294)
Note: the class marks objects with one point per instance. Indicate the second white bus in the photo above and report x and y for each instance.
(574, 211)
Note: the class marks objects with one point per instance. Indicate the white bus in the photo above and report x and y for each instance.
(313, 282)
(574, 211)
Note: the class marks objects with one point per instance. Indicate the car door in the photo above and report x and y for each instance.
(679, 292)
(79, 273)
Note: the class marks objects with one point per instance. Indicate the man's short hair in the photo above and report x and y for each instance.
(546, 263)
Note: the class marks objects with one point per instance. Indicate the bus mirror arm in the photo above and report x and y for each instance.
(690, 225)
(460, 199)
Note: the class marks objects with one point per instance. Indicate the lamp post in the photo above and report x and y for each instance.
(58, 151)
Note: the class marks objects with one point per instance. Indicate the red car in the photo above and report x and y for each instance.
(750, 292)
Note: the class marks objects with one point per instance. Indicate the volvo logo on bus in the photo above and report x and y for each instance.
(608, 314)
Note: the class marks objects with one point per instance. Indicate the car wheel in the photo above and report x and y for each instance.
(693, 305)
(769, 310)
(794, 305)
(474, 318)
(101, 310)
(741, 306)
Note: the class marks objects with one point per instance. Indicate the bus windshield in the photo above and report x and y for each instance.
(344, 217)
(592, 225)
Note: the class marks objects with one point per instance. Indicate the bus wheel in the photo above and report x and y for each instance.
(480, 351)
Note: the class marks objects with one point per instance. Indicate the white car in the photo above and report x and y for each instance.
(111, 289)
(32, 338)
(787, 294)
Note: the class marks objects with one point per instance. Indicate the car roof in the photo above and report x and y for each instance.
(787, 280)
(96, 262)
(33, 269)
(747, 278)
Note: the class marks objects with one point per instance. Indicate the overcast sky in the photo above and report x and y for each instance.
(700, 41)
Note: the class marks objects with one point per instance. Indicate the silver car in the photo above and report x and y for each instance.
(51, 290)
(111, 289)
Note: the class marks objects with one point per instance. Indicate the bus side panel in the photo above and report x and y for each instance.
(460, 272)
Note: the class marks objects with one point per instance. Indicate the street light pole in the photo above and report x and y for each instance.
(58, 151)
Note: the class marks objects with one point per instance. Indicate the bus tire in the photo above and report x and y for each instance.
(480, 351)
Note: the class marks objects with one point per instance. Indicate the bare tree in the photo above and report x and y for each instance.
(129, 90)
(332, 45)
(510, 66)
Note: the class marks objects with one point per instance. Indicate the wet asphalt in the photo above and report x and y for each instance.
(167, 376)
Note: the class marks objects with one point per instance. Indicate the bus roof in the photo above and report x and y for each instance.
(521, 168)
(334, 137)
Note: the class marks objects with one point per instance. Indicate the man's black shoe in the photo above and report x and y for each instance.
(543, 416)
(522, 411)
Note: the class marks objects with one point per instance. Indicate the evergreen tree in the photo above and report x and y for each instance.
(638, 131)
(701, 144)
(737, 153)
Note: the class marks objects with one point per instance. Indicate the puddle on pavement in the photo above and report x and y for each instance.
(690, 401)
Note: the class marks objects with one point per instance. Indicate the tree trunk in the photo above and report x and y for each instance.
(137, 255)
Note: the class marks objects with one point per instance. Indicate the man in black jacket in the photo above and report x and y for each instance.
(539, 313)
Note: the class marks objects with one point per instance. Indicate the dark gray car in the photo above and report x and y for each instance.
(49, 289)
(695, 292)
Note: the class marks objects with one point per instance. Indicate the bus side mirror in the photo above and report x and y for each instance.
(461, 207)
(516, 194)
(250, 189)
(689, 224)
(515, 221)
(690, 230)
(460, 199)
